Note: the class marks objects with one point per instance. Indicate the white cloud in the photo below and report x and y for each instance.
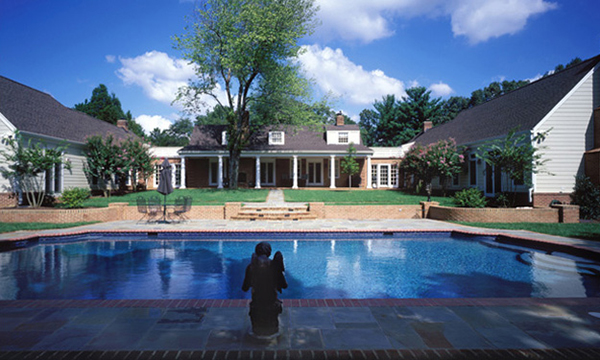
(478, 20)
(150, 122)
(440, 89)
(335, 73)
(482, 20)
(110, 59)
(159, 75)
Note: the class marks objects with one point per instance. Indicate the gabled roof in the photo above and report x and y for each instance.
(33, 111)
(297, 139)
(521, 109)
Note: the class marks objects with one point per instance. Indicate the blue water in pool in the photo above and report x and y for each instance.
(410, 267)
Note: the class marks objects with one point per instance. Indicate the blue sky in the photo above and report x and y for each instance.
(362, 51)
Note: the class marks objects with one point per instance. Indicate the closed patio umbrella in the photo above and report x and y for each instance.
(165, 185)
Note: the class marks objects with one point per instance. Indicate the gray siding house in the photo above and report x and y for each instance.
(562, 103)
(39, 117)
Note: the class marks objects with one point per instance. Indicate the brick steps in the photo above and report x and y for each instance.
(274, 213)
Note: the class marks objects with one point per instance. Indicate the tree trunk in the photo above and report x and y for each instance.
(234, 168)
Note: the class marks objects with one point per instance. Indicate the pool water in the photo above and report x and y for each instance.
(413, 266)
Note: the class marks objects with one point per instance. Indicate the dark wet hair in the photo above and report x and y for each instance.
(263, 248)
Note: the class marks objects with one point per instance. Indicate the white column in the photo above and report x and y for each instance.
(183, 177)
(173, 171)
(220, 174)
(369, 174)
(295, 172)
(332, 172)
(257, 186)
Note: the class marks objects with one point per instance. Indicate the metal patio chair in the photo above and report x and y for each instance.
(154, 208)
(183, 205)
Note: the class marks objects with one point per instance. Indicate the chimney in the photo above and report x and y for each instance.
(339, 119)
(123, 124)
(427, 125)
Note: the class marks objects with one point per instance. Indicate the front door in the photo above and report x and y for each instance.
(315, 173)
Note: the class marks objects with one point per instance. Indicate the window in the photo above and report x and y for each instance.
(343, 137)
(178, 175)
(472, 170)
(394, 175)
(276, 138)
(156, 172)
(337, 168)
(224, 138)
(374, 175)
(48, 185)
(455, 179)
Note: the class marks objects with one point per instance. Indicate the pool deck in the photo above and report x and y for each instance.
(320, 329)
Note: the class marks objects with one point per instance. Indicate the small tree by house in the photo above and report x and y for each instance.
(349, 165)
(25, 164)
(441, 159)
(515, 156)
(140, 160)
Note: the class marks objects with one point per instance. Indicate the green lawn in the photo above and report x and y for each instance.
(10, 227)
(199, 197)
(585, 231)
(360, 197)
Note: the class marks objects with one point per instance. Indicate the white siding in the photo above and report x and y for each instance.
(570, 136)
(74, 153)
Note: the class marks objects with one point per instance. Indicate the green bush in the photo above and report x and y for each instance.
(471, 198)
(587, 196)
(501, 200)
(74, 197)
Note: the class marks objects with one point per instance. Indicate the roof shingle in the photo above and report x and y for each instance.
(521, 109)
(36, 112)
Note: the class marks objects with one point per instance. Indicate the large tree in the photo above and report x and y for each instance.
(244, 55)
(107, 107)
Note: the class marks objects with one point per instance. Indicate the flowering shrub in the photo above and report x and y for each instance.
(441, 159)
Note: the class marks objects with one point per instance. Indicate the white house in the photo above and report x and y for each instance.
(39, 117)
(561, 104)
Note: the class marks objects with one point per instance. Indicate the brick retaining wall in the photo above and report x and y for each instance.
(8, 200)
(494, 215)
(121, 211)
(371, 212)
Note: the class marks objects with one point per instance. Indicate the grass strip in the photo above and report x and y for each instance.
(584, 231)
(11, 227)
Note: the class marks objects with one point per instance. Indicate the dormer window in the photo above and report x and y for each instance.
(224, 138)
(343, 137)
(276, 138)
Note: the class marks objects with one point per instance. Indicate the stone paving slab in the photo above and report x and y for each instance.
(303, 328)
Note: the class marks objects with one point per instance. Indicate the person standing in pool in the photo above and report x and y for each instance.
(266, 278)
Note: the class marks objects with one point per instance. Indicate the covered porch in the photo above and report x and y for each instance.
(258, 170)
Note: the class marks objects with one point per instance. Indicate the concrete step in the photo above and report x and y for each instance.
(291, 217)
(274, 213)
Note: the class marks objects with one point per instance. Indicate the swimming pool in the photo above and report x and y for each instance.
(318, 266)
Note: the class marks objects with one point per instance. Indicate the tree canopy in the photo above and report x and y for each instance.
(243, 52)
(107, 107)
(395, 122)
